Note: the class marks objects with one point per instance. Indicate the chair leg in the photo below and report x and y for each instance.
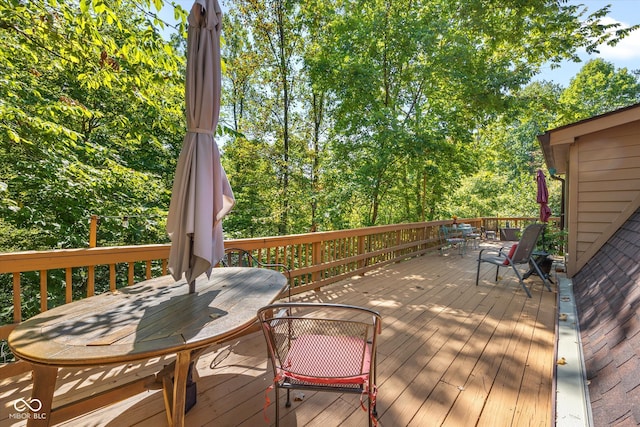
(375, 403)
(478, 272)
(278, 405)
(524, 286)
(288, 404)
(372, 412)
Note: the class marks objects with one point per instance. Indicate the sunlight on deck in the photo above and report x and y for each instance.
(450, 354)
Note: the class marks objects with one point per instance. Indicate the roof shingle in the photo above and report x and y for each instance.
(607, 291)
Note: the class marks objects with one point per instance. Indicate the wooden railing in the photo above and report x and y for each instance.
(314, 259)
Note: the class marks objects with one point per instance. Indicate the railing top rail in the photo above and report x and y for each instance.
(72, 258)
(64, 258)
(326, 261)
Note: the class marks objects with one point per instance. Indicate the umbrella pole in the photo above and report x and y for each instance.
(192, 287)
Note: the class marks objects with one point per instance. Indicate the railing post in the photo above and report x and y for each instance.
(93, 231)
(93, 242)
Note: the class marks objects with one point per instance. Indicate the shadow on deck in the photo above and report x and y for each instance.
(450, 354)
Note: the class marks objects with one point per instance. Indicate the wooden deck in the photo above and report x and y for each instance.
(450, 354)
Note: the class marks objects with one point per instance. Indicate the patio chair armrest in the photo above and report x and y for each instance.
(505, 248)
(494, 256)
(490, 251)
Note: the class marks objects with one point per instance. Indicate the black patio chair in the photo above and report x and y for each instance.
(521, 253)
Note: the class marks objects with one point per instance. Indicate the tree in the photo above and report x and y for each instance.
(337, 114)
(505, 184)
(275, 35)
(91, 119)
(598, 88)
(413, 82)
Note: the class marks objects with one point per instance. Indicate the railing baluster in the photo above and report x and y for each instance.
(314, 259)
(91, 281)
(43, 290)
(130, 278)
(68, 285)
(17, 304)
(112, 277)
(316, 254)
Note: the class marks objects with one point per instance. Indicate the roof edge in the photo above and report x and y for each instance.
(573, 403)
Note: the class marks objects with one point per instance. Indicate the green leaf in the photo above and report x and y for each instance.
(13, 136)
(99, 7)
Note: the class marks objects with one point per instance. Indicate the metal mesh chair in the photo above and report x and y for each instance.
(451, 238)
(322, 347)
(470, 235)
(521, 253)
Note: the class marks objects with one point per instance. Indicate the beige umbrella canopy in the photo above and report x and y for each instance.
(201, 194)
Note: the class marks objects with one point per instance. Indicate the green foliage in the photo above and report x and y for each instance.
(248, 164)
(598, 88)
(505, 183)
(336, 114)
(416, 84)
(555, 240)
(423, 115)
(91, 117)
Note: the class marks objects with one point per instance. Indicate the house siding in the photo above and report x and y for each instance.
(605, 180)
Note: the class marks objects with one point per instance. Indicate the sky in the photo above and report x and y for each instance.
(624, 54)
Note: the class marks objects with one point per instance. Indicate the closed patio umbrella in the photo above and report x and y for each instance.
(543, 197)
(201, 194)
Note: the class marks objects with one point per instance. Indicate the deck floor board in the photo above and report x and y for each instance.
(450, 354)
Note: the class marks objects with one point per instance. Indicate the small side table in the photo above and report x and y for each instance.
(540, 258)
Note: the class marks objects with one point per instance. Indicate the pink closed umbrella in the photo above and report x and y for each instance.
(543, 197)
(201, 194)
